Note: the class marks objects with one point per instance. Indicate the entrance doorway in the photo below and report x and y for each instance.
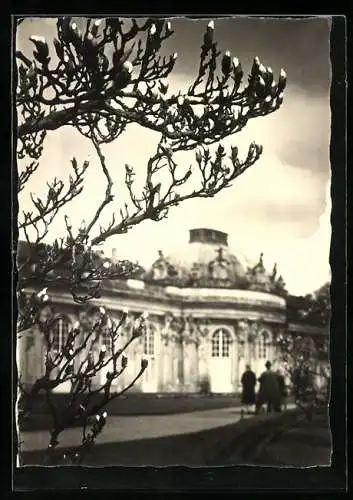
(150, 375)
(220, 362)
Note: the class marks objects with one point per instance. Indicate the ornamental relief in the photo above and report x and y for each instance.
(221, 272)
(249, 331)
(182, 330)
(218, 268)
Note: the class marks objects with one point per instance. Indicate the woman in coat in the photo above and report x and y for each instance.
(248, 382)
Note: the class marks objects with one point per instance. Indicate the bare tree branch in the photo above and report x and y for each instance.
(99, 80)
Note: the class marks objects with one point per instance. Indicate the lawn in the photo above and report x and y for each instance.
(224, 445)
(134, 404)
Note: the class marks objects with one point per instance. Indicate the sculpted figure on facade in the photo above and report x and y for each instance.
(168, 353)
(242, 332)
(127, 326)
(202, 358)
(243, 329)
(167, 329)
(252, 338)
(219, 267)
(160, 268)
(195, 274)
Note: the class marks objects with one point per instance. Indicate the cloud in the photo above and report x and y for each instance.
(305, 261)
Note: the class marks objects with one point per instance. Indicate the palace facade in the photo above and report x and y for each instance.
(209, 314)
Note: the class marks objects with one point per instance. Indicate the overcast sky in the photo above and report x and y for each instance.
(280, 206)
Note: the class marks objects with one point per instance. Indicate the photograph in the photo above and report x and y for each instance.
(173, 182)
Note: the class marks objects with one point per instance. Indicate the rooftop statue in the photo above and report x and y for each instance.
(162, 268)
(274, 273)
(258, 278)
(159, 268)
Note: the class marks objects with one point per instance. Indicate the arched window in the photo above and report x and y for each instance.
(262, 345)
(60, 330)
(149, 342)
(221, 341)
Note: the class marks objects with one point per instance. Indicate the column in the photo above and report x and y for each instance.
(166, 354)
(194, 365)
(203, 365)
(178, 327)
(198, 332)
(180, 343)
(242, 349)
(187, 351)
(174, 363)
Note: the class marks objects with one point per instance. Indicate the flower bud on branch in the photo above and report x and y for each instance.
(153, 30)
(144, 364)
(124, 316)
(124, 361)
(168, 28)
(95, 27)
(255, 66)
(102, 353)
(226, 64)
(42, 53)
(282, 81)
(208, 37)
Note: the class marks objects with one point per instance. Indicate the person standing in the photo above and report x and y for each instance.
(269, 391)
(248, 382)
(282, 389)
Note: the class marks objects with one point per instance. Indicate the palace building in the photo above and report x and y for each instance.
(210, 312)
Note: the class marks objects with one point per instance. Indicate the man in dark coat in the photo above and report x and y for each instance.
(248, 382)
(269, 391)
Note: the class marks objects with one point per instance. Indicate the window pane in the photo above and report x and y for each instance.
(262, 347)
(59, 333)
(225, 343)
(216, 344)
(221, 342)
(148, 342)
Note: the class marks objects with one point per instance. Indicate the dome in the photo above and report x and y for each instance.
(208, 262)
(204, 246)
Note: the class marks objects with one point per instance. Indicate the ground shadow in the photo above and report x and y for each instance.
(205, 448)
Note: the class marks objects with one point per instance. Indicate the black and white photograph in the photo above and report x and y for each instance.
(173, 276)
